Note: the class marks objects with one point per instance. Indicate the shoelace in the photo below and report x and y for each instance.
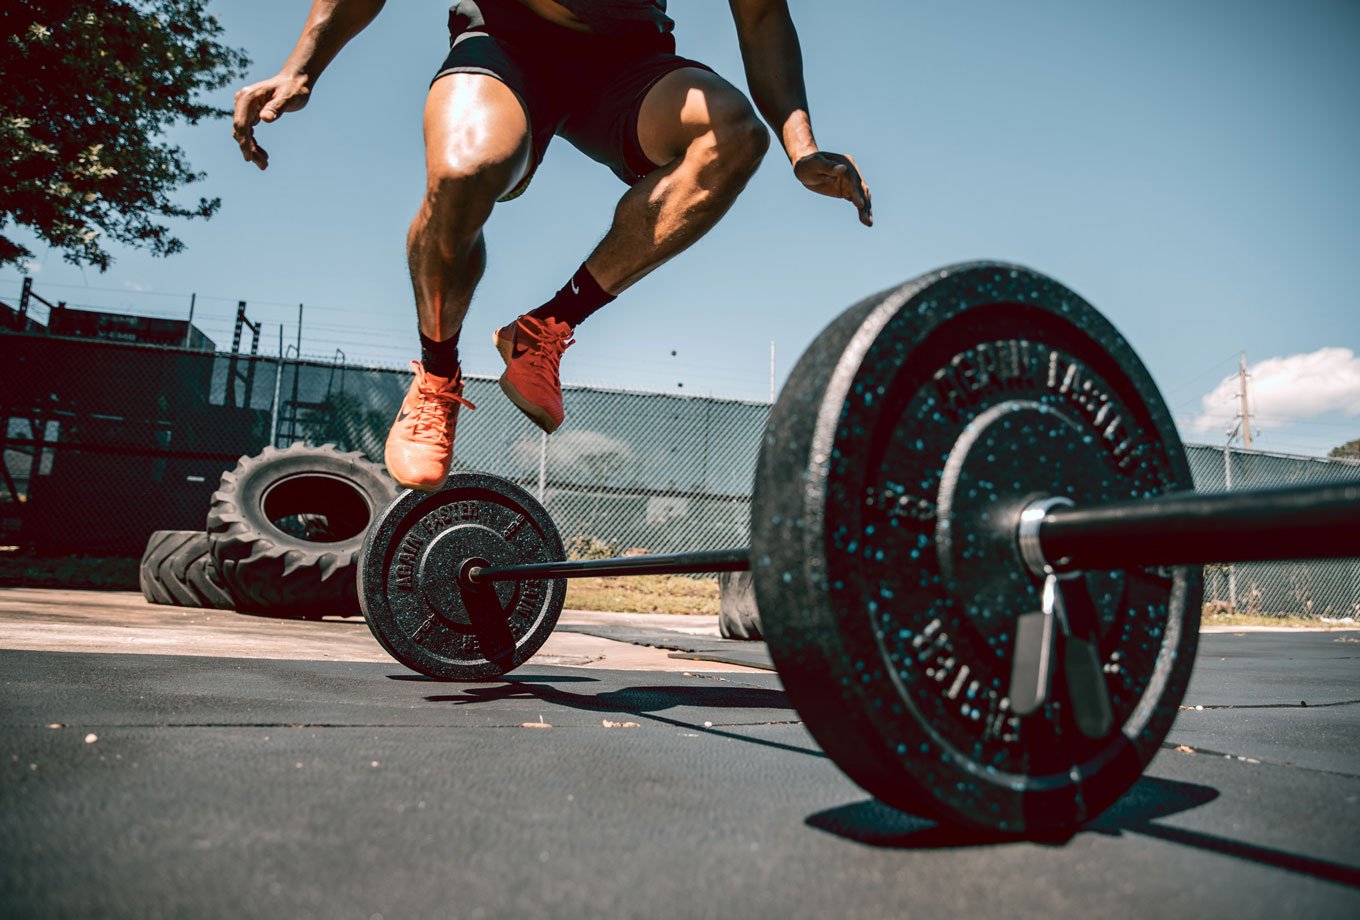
(544, 344)
(434, 407)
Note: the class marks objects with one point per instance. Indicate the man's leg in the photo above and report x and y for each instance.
(708, 142)
(477, 148)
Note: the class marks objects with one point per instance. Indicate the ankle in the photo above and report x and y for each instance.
(440, 358)
(576, 301)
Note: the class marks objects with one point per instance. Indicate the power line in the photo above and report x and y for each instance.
(1176, 388)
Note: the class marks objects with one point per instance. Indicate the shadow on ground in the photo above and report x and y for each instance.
(636, 700)
(768, 706)
(874, 824)
(1142, 811)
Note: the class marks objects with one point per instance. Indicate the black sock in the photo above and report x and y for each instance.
(581, 297)
(439, 358)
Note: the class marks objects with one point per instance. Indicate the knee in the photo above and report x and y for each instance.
(459, 198)
(735, 143)
(748, 138)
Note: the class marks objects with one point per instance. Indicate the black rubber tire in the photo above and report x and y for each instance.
(331, 495)
(204, 579)
(178, 570)
(738, 617)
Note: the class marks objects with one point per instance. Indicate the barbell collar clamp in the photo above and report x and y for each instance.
(1027, 533)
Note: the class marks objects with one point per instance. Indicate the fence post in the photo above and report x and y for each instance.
(542, 465)
(189, 326)
(771, 370)
(1232, 569)
(22, 318)
(236, 333)
(274, 406)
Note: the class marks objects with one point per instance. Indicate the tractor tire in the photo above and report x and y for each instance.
(738, 617)
(177, 569)
(286, 526)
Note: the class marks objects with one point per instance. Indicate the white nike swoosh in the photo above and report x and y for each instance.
(574, 288)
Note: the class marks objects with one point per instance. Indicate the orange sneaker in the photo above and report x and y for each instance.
(420, 444)
(532, 351)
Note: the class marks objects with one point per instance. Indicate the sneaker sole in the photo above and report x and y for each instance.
(535, 413)
(417, 486)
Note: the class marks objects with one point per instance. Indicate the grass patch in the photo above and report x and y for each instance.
(102, 573)
(1265, 619)
(644, 594)
(1219, 613)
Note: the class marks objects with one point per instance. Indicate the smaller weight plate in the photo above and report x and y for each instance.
(430, 620)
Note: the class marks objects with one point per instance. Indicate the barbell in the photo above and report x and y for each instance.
(973, 547)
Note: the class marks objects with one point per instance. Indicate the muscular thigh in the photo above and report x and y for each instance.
(475, 127)
(608, 90)
(684, 105)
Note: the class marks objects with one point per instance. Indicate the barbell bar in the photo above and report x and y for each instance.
(972, 533)
(712, 560)
(1290, 522)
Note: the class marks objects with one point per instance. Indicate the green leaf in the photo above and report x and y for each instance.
(90, 90)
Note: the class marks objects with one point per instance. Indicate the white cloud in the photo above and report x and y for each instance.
(136, 286)
(32, 267)
(573, 447)
(1284, 390)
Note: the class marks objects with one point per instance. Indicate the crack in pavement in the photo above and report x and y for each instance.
(1302, 704)
(105, 726)
(1243, 758)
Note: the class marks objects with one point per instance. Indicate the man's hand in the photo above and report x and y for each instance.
(266, 101)
(836, 175)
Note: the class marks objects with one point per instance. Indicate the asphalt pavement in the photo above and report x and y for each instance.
(171, 785)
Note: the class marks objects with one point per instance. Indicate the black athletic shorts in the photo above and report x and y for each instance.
(587, 88)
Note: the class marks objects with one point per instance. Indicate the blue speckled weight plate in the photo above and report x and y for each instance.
(896, 461)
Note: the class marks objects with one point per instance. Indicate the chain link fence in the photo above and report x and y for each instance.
(630, 471)
(1323, 589)
(104, 442)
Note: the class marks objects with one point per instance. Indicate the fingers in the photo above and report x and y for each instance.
(859, 193)
(851, 186)
(272, 111)
(837, 175)
(246, 115)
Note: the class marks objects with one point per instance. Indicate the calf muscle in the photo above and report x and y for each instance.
(477, 148)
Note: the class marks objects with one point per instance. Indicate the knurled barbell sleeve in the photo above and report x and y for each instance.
(1193, 528)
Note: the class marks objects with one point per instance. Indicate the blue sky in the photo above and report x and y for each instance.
(1189, 167)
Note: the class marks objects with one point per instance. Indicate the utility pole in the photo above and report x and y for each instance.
(771, 370)
(1242, 427)
(1227, 485)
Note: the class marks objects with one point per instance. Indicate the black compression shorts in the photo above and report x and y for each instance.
(587, 88)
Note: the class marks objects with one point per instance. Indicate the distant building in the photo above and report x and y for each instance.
(116, 327)
(9, 319)
(144, 330)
